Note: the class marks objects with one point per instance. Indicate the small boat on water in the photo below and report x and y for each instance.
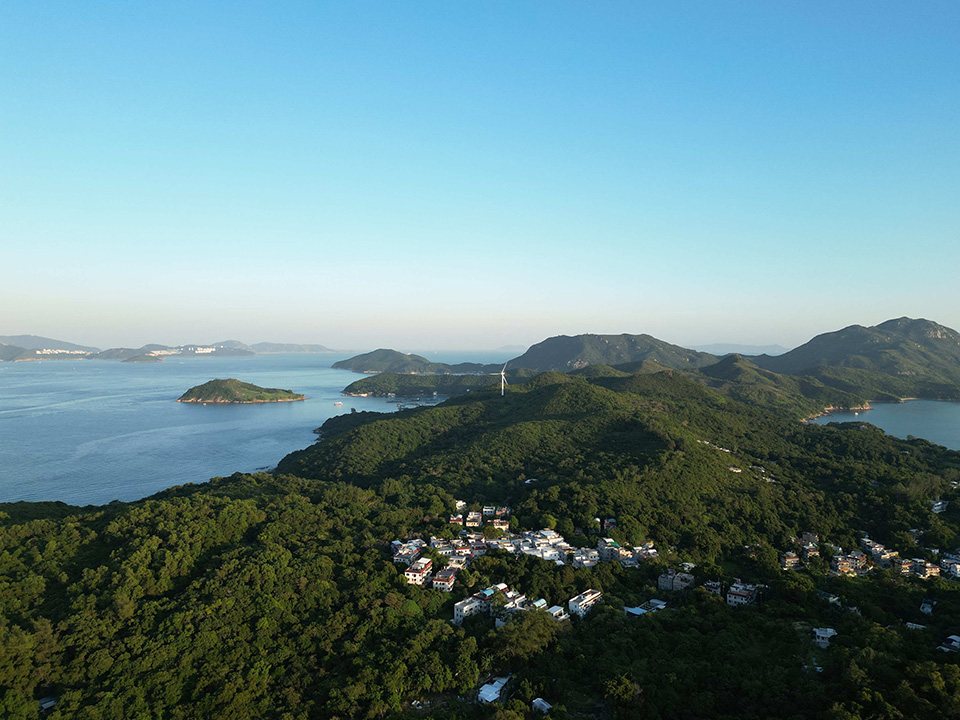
(338, 403)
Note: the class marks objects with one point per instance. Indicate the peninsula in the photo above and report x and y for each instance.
(235, 391)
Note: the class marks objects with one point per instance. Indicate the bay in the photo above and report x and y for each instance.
(93, 431)
(933, 420)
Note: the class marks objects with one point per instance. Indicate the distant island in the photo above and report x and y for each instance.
(233, 391)
(20, 348)
(849, 368)
(384, 360)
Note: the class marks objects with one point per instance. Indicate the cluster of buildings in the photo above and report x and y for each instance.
(544, 544)
(872, 553)
(739, 593)
(609, 550)
(490, 514)
(502, 602)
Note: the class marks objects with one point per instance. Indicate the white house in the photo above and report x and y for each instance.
(821, 636)
(581, 604)
(419, 572)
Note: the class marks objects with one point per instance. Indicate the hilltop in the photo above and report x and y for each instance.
(235, 391)
(565, 353)
(393, 361)
(898, 358)
(848, 368)
(35, 342)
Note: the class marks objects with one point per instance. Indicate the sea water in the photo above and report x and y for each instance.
(932, 420)
(92, 431)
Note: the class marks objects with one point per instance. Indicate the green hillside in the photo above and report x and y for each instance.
(10, 352)
(392, 361)
(416, 385)
(902, 358)
(235, 391)
(740, 379)
(566, 353)
(274, 597)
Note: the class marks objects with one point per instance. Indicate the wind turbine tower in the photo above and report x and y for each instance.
(503, 379)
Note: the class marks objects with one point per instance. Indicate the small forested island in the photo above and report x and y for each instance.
(232, 390)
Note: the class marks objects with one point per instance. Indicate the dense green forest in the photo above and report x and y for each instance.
(274, 596)
(236, 391)
(902, 358)
(392, 361)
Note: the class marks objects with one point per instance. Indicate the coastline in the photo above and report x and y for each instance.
(240, 402)
(832, 409)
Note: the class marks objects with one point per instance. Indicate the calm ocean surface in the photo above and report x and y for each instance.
(93, 431)
(935, 421)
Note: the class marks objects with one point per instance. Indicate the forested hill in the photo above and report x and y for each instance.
(915, 352)
(232, 390)
(739, 378)
(274, 597)
(385, 360)
(35, 342)
(565, 353)
(632, 447)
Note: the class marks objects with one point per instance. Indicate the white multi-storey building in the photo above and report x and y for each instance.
(581, 604)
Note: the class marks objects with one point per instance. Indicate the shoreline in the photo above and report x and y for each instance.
(241, 402)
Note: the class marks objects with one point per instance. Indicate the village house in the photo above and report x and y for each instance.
(902, 566)
(493, 691)
(938, 506)
(950, 567)
(477, 603)
(714, 587)
(444, 579)
(672, 580)
(810, 550)
(456, 519)
(821, 636)
(585, 557)
(407, 552)
(852, 563)
(581, 604)
(608, 549)
(419, 572)
(558, 613)
(789, 560)
(473, 520)
(950, 644)
(541, 705)
(741, 594)
(925, 570)
(467, 607)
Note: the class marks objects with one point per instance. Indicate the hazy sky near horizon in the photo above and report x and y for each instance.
(471, 175)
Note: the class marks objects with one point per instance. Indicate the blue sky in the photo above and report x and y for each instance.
(470, 175)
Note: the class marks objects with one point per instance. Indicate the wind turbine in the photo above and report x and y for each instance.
(503, 379)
